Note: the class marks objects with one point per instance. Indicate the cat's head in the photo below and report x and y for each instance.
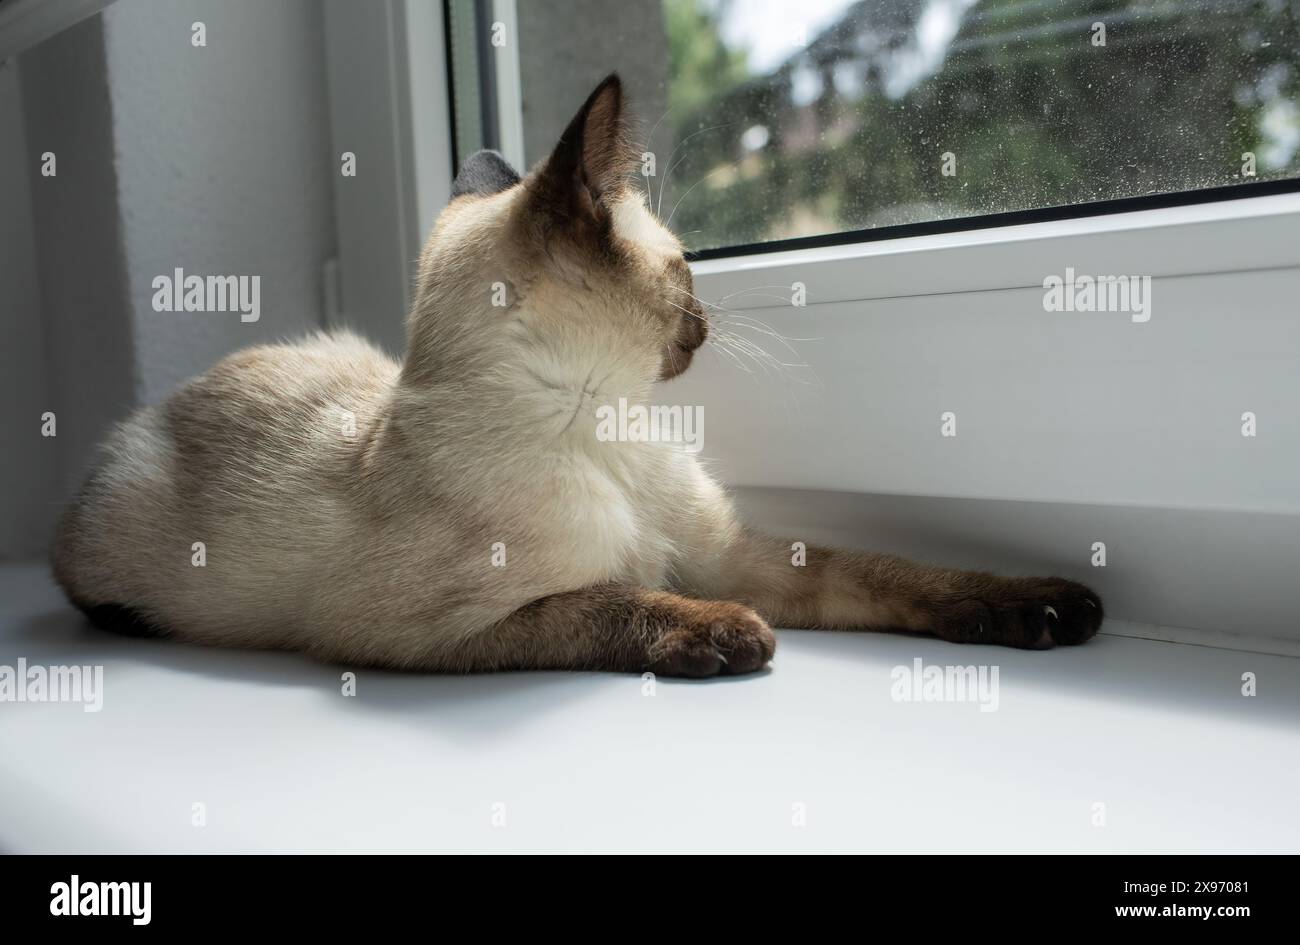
(566, 267)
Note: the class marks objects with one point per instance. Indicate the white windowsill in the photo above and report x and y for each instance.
(1158, 733)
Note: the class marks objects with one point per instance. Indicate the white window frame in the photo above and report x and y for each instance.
(510, 96)
(389, 104)
(1237, 235)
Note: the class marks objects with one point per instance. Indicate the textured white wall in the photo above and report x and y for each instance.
(28, 457)
(214, 159)
(89, 366)
(223, 167)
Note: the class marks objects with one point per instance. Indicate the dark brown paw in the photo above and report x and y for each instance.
(1030, 613)
(717, 638)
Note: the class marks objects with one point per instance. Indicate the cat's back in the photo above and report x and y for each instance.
(273, 426)
(284, 392)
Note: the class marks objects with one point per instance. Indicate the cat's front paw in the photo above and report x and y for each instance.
(1030, 613)
(716, 637)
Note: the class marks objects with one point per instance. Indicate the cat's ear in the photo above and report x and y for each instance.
(593, 157)
(484, 173)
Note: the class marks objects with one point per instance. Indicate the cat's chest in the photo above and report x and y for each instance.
(613, 520)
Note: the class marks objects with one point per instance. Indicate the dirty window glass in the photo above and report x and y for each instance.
(769, 120)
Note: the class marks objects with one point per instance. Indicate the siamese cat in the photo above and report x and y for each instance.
(456, 511)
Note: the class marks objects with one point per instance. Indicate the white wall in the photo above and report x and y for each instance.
(223, 167)
(29, 458)
(89, 366)
(215, 159)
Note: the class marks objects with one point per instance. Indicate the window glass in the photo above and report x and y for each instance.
(767, 120)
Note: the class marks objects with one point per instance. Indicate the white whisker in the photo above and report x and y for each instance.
(663, 181)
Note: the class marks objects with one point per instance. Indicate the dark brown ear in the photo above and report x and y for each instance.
(593, 157)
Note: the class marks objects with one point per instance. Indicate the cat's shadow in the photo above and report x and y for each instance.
(471, 706)
(481, 706)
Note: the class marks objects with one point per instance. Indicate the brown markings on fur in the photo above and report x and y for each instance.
(591, 162)
(623, 628)
(838, 589)
(569, 196)
(693, 323)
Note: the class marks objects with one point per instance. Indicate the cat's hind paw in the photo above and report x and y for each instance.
(1028, 613)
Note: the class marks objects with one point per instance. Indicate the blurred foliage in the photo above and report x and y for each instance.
(849, 132)
(699, 61)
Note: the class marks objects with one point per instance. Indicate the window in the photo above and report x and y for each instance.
(769, 121)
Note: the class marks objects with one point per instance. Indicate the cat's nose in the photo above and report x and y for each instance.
(693, 330)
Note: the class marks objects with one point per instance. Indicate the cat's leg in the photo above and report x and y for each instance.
(621, 628)
(818, 587)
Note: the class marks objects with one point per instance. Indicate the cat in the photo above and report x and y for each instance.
(456, 512)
